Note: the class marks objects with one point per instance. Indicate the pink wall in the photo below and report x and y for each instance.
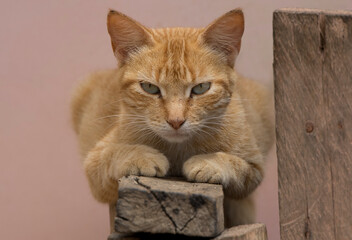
(45, 47)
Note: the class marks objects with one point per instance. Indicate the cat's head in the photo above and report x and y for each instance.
(177, 82)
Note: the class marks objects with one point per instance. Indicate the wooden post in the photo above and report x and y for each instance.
(313, 101)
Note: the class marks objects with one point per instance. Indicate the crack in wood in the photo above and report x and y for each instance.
(159, 201)
(307, 232)
(321, 22)
(177, 228)
(123, 218)
(325, 93)
(188, 221)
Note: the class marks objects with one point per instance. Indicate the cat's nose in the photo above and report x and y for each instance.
(176, 123)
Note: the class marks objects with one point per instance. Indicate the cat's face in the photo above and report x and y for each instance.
(177, 82)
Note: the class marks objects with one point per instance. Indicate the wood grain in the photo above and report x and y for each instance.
(243, 232)
(112, 215)
(337, 79)
(312, 56)
(157, 205)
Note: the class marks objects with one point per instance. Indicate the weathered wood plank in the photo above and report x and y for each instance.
(337, 76)
(169, 206)
(112, 214)
(304, 171)
(314, 153)
(244, 232)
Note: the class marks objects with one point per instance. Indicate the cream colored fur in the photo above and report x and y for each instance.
(124, 130)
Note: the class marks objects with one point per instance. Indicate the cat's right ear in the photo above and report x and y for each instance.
(225, 33)
(127, 35)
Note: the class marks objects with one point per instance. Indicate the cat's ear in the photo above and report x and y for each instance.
(225, 33)
(127, 35)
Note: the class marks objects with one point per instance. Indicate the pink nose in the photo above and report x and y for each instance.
(177, 123)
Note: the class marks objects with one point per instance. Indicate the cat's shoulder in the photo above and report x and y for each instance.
(99, 76)
(84, 90)
(253, 89)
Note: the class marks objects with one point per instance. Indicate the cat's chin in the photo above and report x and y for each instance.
(175, 138)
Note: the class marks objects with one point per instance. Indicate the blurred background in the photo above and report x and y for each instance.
(46, 46)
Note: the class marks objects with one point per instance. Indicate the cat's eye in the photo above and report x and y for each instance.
(201, 88)
(150, 88)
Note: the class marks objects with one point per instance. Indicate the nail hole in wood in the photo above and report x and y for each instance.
(309, 127)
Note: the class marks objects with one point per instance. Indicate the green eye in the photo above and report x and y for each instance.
(150, 88)
(201, 88)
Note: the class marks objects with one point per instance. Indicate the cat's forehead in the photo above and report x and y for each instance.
(160, 34)
(176, 57)
(175, 68)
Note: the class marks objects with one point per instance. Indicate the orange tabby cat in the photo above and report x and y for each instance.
(175, 107)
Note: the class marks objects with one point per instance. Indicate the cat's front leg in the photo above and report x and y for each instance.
(238, 177)
(107, 162)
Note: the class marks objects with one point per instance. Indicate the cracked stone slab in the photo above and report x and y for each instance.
(156, 205)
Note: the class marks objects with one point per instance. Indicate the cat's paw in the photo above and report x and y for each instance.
(208, 169)
(150, 163)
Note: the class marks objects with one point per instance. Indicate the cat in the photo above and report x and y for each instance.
(175, 107)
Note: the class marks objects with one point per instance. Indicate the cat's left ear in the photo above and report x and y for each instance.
(127, 35)
(224, 35)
